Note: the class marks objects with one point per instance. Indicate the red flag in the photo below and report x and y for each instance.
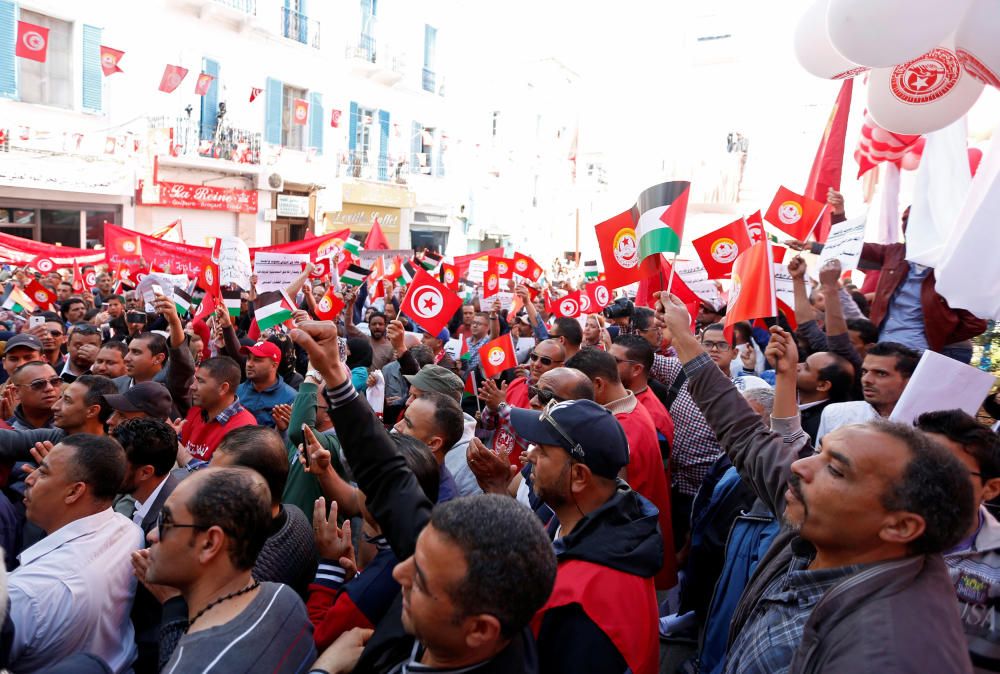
(32, 41)
(718, 249)
(329, 306)
(491, 279)
(206, 308)
(429, 303)
(497, 355)
(43, 264)
(300, 111)
(394, 269)
(620, 251)
(172, 78)
(254, 93)
(40, 295)
(208, 279)
(693, 308)
(794, 214)
(789, 314)
(77, 277)
(829, 162)
(525, 266)
(109, 60)
(335, 118)
(321, 268)
(649, 286)
(470, 382)
(202, 85)
(755, 228)
(568, 306)
(90, 279)
(376, 239)
(449, 276)
(599, 294)
(504, 267)
(752, 293)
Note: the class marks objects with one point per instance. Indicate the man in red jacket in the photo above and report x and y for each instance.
(215, 409)
(645, 465)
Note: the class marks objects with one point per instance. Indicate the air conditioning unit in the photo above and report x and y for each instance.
(270, 181)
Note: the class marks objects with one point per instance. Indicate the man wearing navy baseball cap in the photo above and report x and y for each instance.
(436, 344)
(607, 540)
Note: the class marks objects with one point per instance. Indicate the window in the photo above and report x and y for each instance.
(292, 134)
(430, 47)
(363, 133)
(496, 122)
(51, 82)
(369, 9)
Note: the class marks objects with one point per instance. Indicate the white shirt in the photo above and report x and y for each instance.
(843, 414)
(141, 509)
(73, 593)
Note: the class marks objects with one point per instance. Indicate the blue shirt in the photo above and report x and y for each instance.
(447, 488)
(904, 322)
(260, 403)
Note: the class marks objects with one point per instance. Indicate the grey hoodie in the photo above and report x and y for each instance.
(456, 462)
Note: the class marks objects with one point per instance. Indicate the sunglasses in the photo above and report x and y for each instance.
(544, 396)
(163, 523)
(56, 333)
(571, 446)
(42, 384)
(546, 361)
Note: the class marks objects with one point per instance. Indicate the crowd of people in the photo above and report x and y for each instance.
(188, 494)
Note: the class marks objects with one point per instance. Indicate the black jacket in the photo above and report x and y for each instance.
(624, 535)
(397, 502)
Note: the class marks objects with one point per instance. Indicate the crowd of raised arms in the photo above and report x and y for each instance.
(184, 492)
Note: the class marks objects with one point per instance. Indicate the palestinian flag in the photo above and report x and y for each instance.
(354, 275)
(18, 302)
(353, 246)
(464, 355)
(232, 298)
(430, 260)
(590, 270)
(659, 215)
(408, 272)
(182, 300)
(272, 308)
(470, 385)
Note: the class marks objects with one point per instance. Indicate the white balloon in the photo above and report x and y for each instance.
(813, 49)
(977, 41)
(922, 95)
(882, 33)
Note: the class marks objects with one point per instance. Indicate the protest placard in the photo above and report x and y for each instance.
(276, 271)
(938, 383)
(844, 243)
(234, 262)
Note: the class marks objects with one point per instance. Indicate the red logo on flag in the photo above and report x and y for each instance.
(569, 306)
(755, 228)
(300, 111)
(172, 78)
(90, 279)
(794, 214)
(335, 118)
(428, 303)
(719, 249)
(44, 264)
(32, 41)
(254, 93)
(497, 355)
(109, 60)
(329, 307)
(599, 294)
(202, 85)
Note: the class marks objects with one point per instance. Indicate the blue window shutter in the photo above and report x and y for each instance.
(316, 119)
(210, 101)
(416, 146)
(92, 74)
(438, 153)
(303, 22)
(352, 129)
(383, 155)
(430, 41)
(272, 120)
(8, 38)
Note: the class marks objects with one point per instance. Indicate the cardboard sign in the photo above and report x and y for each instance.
(844, 243)
(941, 383)
(234, 263)
(276, 271)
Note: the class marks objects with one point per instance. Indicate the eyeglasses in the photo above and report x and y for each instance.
(163, 523)
(546, 361)
(624, 360)
(544, 396)
(56, 333)
(719, 346)
(571, 446)
(553, 335)
(42, 384)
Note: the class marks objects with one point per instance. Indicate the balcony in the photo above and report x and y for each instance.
(391, 68)
(240, 146)
(245, 6)
(299, 27)
(361, 53)
(369, 165)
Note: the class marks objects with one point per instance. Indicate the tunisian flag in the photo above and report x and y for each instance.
(376, 239)
(620, 251)
(32, 41)
(429, 303)
(568, 306)
(718, 250)
(752, 293)
(794, 214)
(829, 162)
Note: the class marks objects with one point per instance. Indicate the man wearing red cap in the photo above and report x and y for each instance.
(263, 388)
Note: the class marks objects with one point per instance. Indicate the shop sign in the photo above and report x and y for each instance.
(203, 197)
(290, 206)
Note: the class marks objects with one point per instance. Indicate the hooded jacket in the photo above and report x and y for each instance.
(975, 574)
(604, 595)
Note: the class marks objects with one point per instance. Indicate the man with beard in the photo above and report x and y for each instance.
(264, 388)
(83, 347)
(110, 361)
(381, 347)
(215, 408)
(38, 387)
(867, 517)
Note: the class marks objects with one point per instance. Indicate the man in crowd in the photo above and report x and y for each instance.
(263, 388)
(722, 352)
(454, 610)
(110, 361)
(436, 344)
(83, 346)
(210, 532)
(103, 294)
(381, 348)
(822, 379)
(20, 349)
(116, 317)
(38, 387)
(887, 368)
(52, 343)
(635, 357)
(148, 399)
(481, 331)
(215, 409)
(74, 588)
(868, 516)
(73, 311)
(644, 472)
(569, 334)
(436, 420)
(64, 290)
(464, 328)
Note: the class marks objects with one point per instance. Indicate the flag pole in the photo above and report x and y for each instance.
(673, 265)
